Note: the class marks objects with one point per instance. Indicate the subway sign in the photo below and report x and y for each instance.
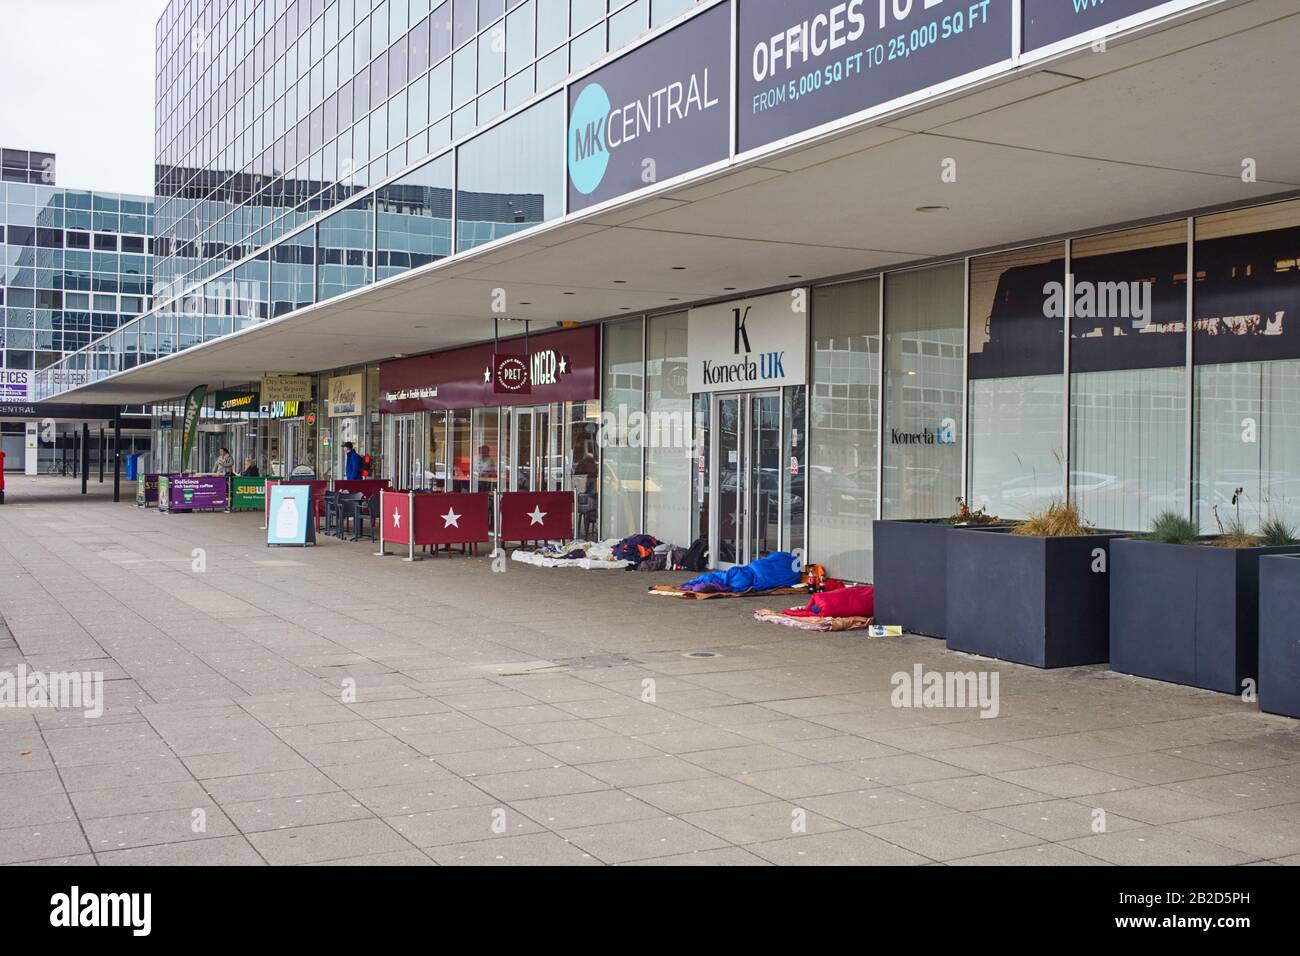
(804, 63)
(656, 113)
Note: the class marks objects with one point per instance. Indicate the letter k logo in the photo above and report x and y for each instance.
(741, 333)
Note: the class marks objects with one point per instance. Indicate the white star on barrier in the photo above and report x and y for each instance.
(397, 518)
(536, 516)
(451, 519)
(487, 374)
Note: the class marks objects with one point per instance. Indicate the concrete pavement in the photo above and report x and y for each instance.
(304, 706)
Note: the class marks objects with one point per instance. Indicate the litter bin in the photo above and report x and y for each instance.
(133, 466)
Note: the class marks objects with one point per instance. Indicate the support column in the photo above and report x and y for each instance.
(117, 455)
(85, 454)
(100, 449)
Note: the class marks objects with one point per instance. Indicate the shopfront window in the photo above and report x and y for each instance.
(1247, 366)
(924, 358)
(623, 394)
(844, 426)
(666, 436)
(461, 458)
(584, 458)
(1128, 382)
(1017, 387)
(487, 449)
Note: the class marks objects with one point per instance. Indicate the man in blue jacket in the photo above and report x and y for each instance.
(352, 463)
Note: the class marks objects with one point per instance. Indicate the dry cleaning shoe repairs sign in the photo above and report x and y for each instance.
(808, 62)
(660, 111)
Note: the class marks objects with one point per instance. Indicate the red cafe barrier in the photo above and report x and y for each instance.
(365, 486)
(432, 519)
(537, 516)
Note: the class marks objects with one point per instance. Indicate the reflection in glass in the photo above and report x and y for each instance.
(1017, 391)
(623, 394)
(293, 273)
(414, 215)
(502, 189)
(1247, 375)
(668, 460)
(844, 425)
(346, 249)
(1128, 401)
(924, 332)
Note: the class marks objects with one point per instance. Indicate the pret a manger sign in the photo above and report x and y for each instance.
(750, 343)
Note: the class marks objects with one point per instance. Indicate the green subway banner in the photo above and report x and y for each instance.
(247, 494)
(190, 428)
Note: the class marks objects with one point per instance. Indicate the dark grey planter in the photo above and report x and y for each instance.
(1035, 601)
(1279, 635)
(1186, 613)
(911, 573)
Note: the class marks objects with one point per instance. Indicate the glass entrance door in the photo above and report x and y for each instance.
(404, 437)
(746, 473)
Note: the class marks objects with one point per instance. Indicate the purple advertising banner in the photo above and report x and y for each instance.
(197, 493)
(1046, 21)
(803, 63)
(660, 111)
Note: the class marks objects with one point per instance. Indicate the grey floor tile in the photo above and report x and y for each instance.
(327, 841)
(217, 851)
(463, 825)
(642, 839)
(839, 848)
(279, 813)
(952, 836)
(533, 849)
(1157, 846)
(761, 822)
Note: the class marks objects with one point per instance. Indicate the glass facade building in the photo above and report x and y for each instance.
(270, 112)
(76, 265)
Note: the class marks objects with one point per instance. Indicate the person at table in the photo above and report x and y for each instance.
(352, 463)
(250, 469)
(225, 464)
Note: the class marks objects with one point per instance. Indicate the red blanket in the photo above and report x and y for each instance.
(844, 602)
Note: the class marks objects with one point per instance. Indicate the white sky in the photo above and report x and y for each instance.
(77, 79)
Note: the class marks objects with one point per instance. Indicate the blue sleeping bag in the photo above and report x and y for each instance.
(777, 570)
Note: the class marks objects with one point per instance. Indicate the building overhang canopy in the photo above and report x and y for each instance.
(1188, 114)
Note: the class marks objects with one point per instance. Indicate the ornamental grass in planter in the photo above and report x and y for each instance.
(1184, 607)
(1037, 595)
(911, 567)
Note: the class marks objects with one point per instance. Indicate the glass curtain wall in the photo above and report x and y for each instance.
(621, 412)
(844, 426)
(1017, 383)
(1128, 381)
(924, 368)
(1246, 353)
(667, 431)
